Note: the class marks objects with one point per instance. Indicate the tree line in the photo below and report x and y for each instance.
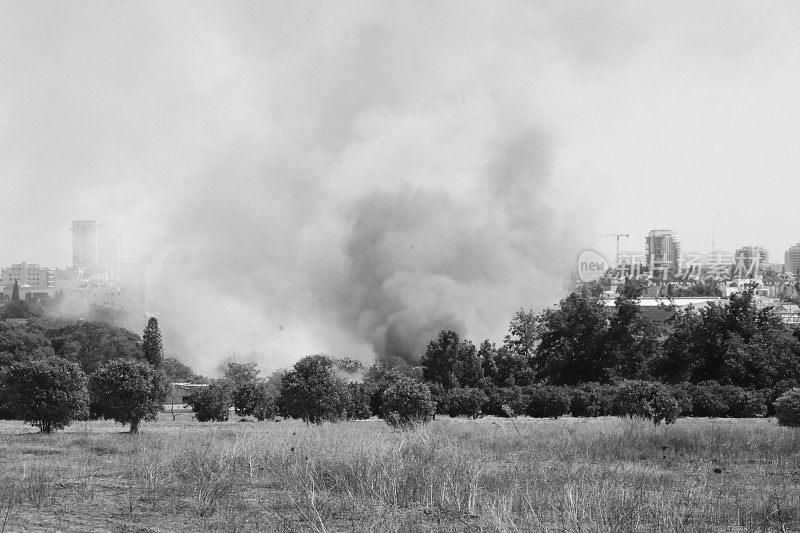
(580, 357)
(53, 373)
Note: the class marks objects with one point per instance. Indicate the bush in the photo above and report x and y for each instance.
(743, 403)
(711, 399)
(547, 401)
(212, 403)
(47, 393)
(128, 392)
(406, 402)
(708, 400)
(466, 401)
(590, 400)
(646, 399)
(787, 408)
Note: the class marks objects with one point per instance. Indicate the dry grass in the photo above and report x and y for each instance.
(582, 475)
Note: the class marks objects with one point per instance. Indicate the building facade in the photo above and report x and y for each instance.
(791, 259)
(30, 274)
(663, 251)
(749, 260)
(95, 244)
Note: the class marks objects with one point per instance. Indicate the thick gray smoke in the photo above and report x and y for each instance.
(390, 177)
(420, 260)
(308, 177)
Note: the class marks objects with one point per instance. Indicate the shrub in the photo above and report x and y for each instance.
(547, 401)
(128, 392)
(466, 401)
(47, 393)
(646, 399)
(743, 403)
(591, 399)
(709, 398)
(406, 402)
(787, 408)
(212, 403)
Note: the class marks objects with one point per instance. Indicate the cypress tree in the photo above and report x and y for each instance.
(15, 292)
(151, 343)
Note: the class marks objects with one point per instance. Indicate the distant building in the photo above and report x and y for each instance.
(749, 260)
(179, 392)
(30, 274)
(791, 259)
(663, 251)
(95, 244)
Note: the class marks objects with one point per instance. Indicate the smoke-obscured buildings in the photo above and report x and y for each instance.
(95, 244)
(663, 251)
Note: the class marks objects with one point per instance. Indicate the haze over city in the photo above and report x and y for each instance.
(351, 178)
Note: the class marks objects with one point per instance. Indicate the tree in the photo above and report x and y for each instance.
(47, 393)
(15, 292)
(212, 403)
(524, 332)
(573, 343)
(632, 339)
(177, 372)
(734, 344)
(22, 342)
(440, 362)
(406, 402)
(128, 392)
(257, 399)
(92, 344)
(312, 392)
(238, 374)
(151, 343)
(384, 373)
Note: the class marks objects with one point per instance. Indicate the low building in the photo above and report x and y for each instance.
(662, 309)
(179, 392)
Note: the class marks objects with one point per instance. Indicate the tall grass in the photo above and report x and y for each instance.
(451, 475)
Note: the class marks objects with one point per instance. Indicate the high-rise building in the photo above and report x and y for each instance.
(663, 251)
(750, 259)
(791, 259)
(95, 244)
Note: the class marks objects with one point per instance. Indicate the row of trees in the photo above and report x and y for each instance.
(52, 376)
(731, 358)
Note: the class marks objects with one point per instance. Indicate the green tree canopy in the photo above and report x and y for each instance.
(313, 392)
(128, 391)
(48, 393)
(92, 344)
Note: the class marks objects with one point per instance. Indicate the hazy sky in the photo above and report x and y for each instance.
(346, 176)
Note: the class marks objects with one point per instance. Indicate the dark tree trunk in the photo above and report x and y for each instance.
(134, 426)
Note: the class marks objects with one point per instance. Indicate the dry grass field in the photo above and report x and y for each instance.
(605, 474)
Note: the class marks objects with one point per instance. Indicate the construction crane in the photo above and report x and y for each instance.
(617, 235)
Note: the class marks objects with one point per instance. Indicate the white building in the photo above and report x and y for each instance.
(31, 274)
